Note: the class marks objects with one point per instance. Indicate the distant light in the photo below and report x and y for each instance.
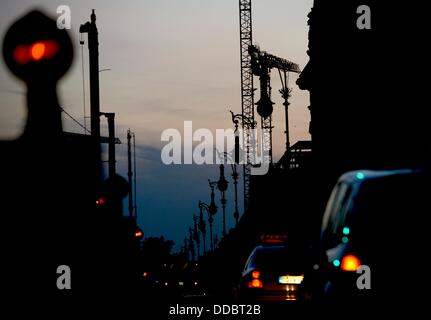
(181, 283)
(138, 234)
(255, 274)
(360, 175)
(273, 238)
(336, 262)
(196, 283)
(166, 284)
(345, 239)
(101, 201)
(145, 274)
(346, 231)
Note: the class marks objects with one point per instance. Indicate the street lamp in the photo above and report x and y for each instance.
(191, 245)
(245, 121)
(196, 234)
(222, 186)
(212, 210)
(202, 227)
(286, 93)
(235, 176)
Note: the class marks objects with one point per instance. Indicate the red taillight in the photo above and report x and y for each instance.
(255, 283)
(101, 201)
(350, 263)
(255, 274)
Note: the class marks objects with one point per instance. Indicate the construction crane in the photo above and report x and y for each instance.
(256, 62)
(247, 93)
(261, 65)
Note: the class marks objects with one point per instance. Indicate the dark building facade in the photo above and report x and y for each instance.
(367, 110)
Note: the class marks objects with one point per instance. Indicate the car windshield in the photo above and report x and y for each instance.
(390, 206)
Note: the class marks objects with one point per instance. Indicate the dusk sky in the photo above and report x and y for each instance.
(170, 61)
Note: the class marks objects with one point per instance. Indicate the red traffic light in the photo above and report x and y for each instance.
(41, 50)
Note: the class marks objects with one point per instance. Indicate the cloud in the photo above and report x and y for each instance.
(148, 152)
(17, 92)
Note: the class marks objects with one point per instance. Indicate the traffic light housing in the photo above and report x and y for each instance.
(35, 50)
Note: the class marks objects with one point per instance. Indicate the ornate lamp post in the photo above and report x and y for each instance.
(191, 245)
(186, 248)
(196, 234)
(212, 210)
(202, 227)
(235, 176)
(236, 119)
(222, 186)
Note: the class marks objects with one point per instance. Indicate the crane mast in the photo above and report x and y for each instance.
(247, 93)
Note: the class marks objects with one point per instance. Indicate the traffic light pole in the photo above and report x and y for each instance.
(129, 172)
(111, 142)
(93, 48)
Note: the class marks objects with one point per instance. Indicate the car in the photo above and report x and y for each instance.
(373, 236)
(274, 271)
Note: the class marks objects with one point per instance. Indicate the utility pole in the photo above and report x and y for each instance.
(135, 206)
(130, 173)
(93, 47)
(111, 142)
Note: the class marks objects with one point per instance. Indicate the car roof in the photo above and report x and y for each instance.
(358, 176)
(269, 247)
